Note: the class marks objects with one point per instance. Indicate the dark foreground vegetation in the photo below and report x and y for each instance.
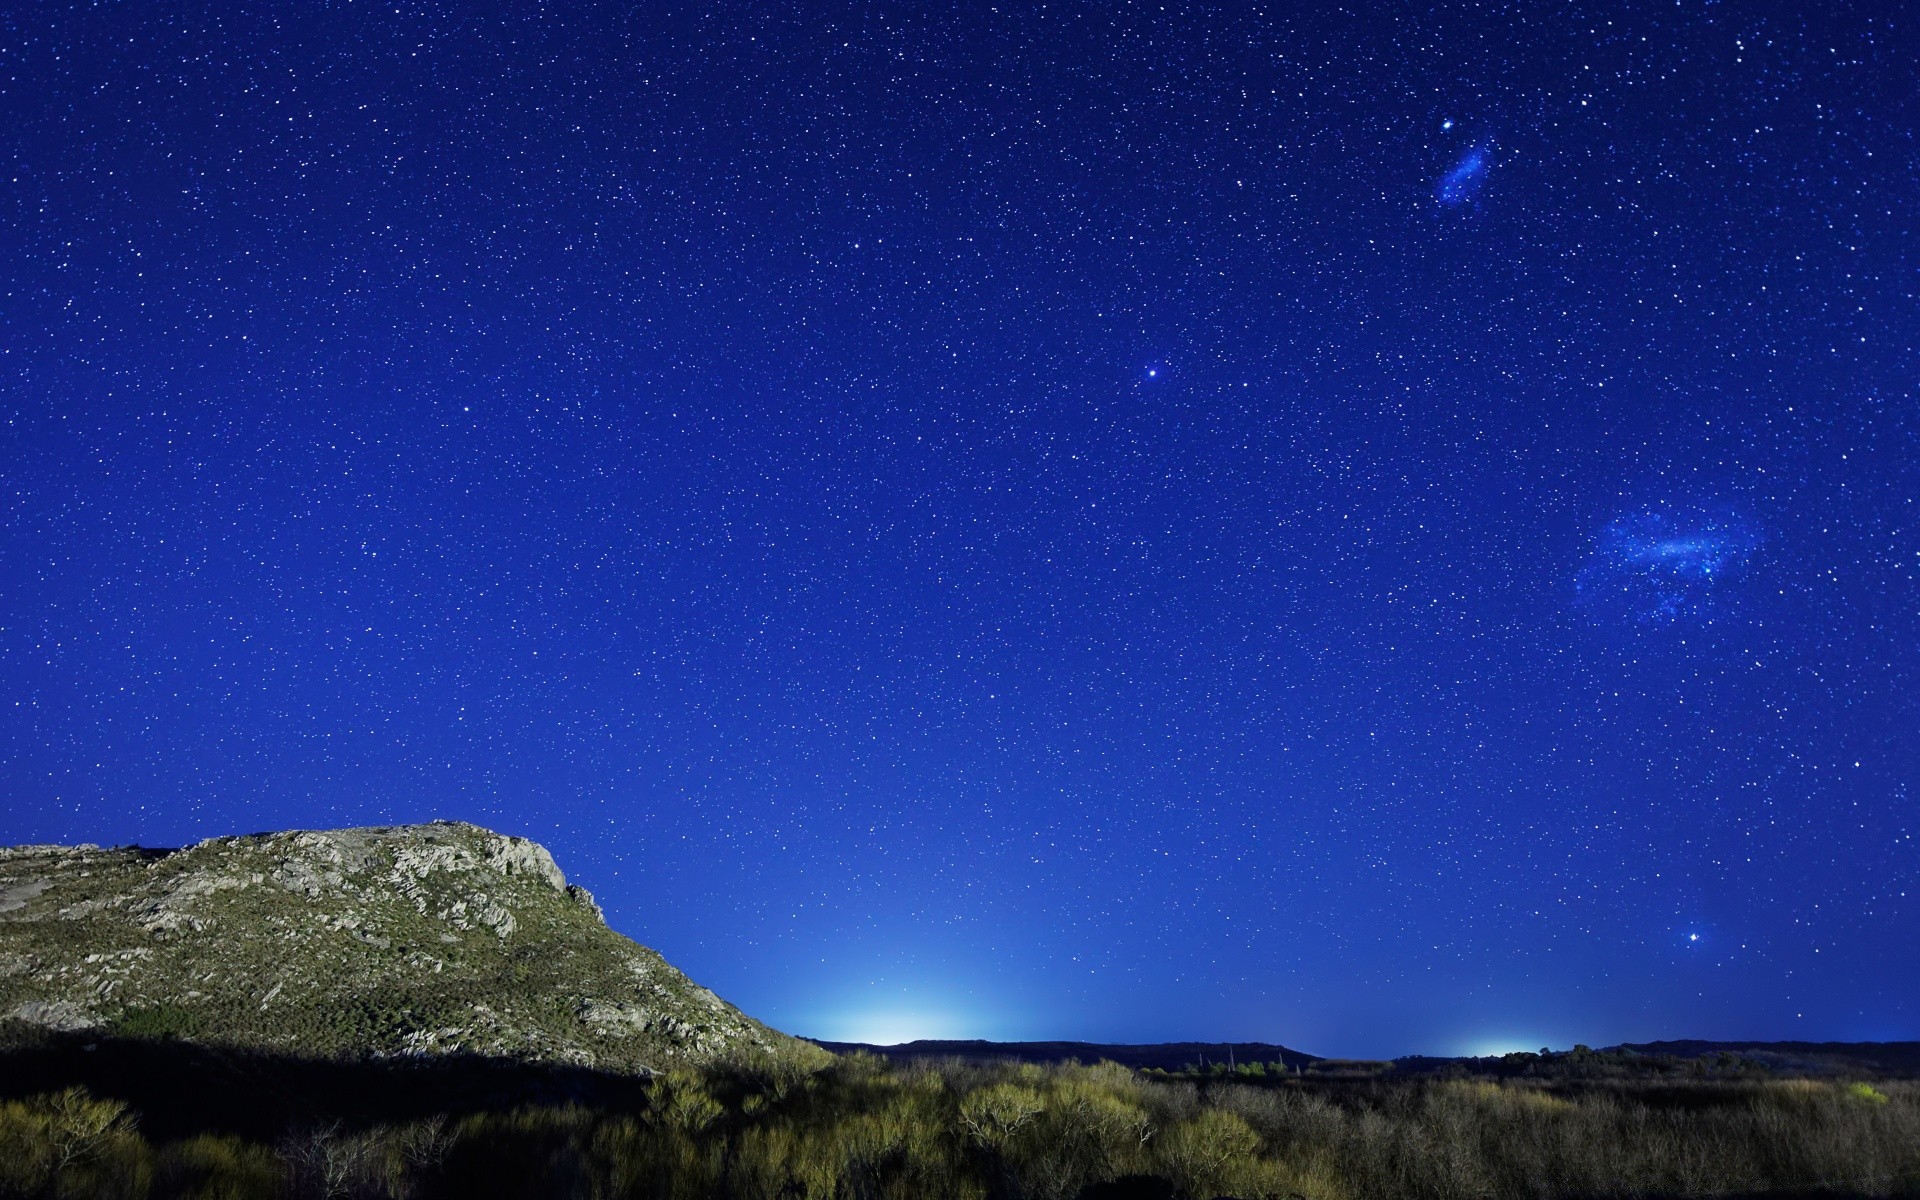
(159, 1119)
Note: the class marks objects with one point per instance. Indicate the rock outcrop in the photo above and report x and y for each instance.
(410, 940)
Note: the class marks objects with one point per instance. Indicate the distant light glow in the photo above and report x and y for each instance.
(892, 1026)
(1494, 1045)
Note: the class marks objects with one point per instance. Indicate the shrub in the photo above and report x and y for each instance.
(70, 1144)
(1866, 1092)
(157, 1021)
(1212, 1153)
(213, 1167)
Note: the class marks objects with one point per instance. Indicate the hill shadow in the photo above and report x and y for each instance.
(185, 1088)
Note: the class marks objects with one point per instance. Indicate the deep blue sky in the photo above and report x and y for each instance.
(1388, 529)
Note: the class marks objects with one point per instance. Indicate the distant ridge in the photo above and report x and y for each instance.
(1166, 1055)
(1889, 1058)
(1788, 1058)
(1797, 1059)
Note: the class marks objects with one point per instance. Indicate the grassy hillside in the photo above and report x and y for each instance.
(411, 940)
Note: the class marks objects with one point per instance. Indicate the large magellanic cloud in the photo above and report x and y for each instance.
(1659, 566)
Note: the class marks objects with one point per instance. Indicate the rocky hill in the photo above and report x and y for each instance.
(417, 940)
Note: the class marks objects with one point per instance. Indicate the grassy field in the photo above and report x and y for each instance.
(858, 1127)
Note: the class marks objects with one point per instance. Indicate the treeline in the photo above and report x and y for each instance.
(1581, 1062)
(857, 1128)
(1257, 1071)
(1584, 1062)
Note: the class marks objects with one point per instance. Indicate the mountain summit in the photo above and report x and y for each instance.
(405, 940)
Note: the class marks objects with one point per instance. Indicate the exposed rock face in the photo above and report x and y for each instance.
(416, 939)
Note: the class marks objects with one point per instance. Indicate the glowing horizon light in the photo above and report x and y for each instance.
(893, 1027)
(1495, 1045)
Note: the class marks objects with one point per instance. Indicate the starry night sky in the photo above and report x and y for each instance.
(1385, 530)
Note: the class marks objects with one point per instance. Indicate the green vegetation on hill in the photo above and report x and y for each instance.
(411, 940)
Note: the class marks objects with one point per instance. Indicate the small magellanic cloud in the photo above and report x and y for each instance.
(1463, 181)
